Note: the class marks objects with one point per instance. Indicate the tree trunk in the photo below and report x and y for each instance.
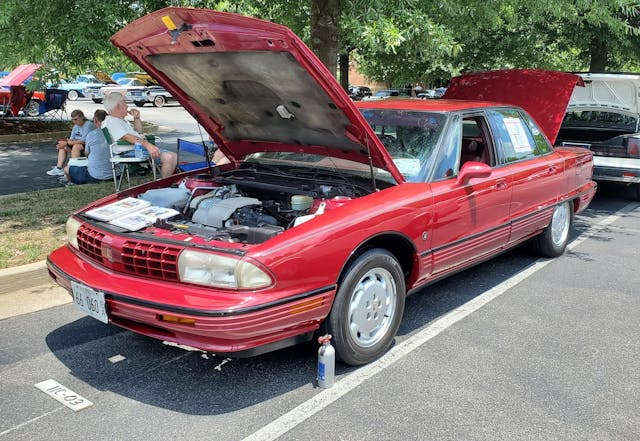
(598, 54)
(325, 25)
(344, 70)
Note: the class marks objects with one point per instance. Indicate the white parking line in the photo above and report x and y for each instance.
(323, 399)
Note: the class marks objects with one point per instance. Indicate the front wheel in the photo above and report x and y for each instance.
(368, 308)
(97, 100)
(72, 95)
(554, 239)
(139, 103)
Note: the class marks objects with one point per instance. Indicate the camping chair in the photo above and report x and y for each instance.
(192, 148)
(121, 163)
(54, 103)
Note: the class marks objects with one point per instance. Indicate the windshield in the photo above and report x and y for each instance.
(410, 137)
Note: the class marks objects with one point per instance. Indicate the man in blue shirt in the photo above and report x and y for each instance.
(74, 145)
(97, 166)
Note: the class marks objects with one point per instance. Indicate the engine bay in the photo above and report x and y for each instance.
(250, 204)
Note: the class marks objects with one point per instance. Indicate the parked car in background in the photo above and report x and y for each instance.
(123, 86)
(432, 93)
(156, 95)
(385, 94)
(604, 116)
(359, 92)
(329, 212)
(76, 87)
(20, 76)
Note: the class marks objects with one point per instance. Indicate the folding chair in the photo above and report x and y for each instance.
(193, 148)
(54, 103)
(121, 163)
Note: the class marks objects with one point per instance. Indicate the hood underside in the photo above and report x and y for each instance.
(618, 92)
(252, 84)
(19, 75)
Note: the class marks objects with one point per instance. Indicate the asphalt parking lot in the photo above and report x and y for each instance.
(516, 348)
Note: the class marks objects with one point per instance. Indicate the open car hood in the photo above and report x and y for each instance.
(543, 94)
(19, 75)
(617, 92)
(252, 84)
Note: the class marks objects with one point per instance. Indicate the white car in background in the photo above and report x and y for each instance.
(123, 86)
(604, 116)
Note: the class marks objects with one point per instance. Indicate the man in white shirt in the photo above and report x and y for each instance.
(119, 128)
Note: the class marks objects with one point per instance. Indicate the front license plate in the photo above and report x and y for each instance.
(90, 301)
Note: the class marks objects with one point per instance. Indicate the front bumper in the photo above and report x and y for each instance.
(232, 323)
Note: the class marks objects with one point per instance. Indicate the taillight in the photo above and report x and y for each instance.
(633, 147)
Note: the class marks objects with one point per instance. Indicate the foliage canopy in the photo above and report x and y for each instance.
(395, 41)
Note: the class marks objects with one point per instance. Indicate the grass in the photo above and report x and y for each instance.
(32, 224)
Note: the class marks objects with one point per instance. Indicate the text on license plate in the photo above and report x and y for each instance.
(90, 301)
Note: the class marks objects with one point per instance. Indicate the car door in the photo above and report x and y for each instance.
(471, 219)
(535, 168)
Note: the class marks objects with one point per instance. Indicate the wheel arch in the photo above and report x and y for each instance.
(399, 245)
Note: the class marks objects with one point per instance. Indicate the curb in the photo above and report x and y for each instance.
(17, 270)
(45, 136)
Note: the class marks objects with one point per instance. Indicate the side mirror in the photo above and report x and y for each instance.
(473, 169)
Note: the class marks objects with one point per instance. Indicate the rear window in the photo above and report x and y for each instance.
(600, 119)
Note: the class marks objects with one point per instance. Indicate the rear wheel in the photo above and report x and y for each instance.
(368, 308)
(97, 100)
(159, 101)
(139, 103)
(72, 95)
(554, 239)
(636, 191)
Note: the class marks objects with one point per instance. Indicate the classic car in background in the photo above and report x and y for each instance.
(604, 116)
(330, 212)
(76, 87)
(156, 95)
(122, 85)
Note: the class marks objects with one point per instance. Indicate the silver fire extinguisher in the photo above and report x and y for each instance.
(326, 362)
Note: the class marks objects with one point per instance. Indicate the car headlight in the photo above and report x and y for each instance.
(220, 271)
(73, 225)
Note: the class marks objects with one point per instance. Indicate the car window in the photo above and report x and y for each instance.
(447, 163)
(513, 135)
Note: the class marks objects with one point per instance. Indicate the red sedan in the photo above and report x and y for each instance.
(328, 215)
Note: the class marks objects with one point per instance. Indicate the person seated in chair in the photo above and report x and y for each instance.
(120, 129)
(98, 164)
(74, 145)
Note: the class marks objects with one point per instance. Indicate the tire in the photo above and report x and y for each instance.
(97, 100)
(636, 191)
(554, 239)
(159, 101)
(139, 103)
(368, 308)
(72, 95)
(32, 108)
